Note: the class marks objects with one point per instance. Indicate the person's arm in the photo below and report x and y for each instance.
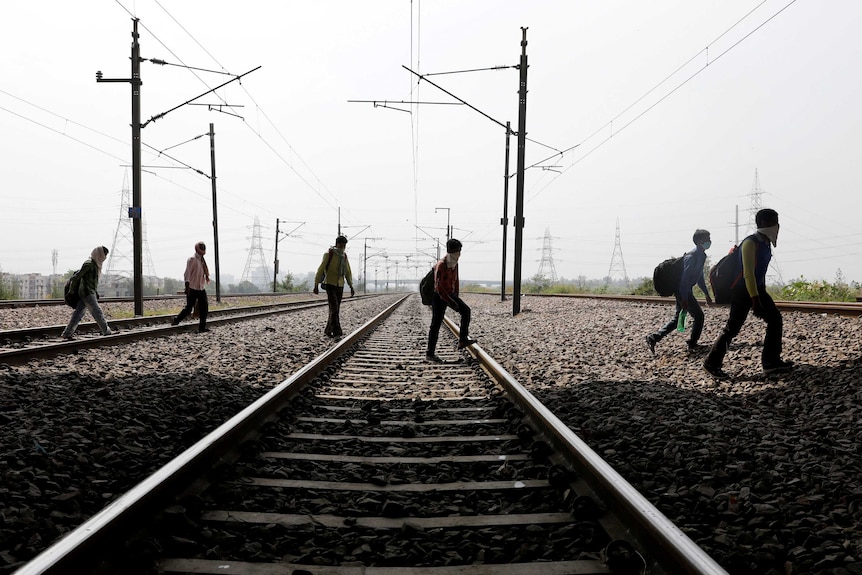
(348, 275)
(321, 271)
(749, 274)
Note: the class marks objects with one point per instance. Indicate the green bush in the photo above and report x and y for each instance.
(802, 290)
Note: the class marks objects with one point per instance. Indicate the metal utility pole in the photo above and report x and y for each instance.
(505, 219)
(519, 187)
(275, 260)
(215, 211)
(448, 227)
(278, 239)
(135, 208)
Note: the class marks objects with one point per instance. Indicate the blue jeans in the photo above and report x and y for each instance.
(87, 303)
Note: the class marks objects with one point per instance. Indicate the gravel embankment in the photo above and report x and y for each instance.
(766, 474)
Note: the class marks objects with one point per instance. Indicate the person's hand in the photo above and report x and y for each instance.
(315, 291)
(756, 308)
(186, 290)
(98, 297)
(352, 292)
(455, 306)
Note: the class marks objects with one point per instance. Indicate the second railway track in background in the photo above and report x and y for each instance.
(22, 345)
(370, 460)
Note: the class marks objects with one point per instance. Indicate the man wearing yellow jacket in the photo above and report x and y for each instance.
(332, 273)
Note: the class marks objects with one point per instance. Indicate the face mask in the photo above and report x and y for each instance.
(707, 244)
(771, 232)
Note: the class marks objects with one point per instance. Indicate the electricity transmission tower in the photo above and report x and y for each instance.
(256, 267)
(756, 204)
(618, 266)
(120, 261)
(546, 265)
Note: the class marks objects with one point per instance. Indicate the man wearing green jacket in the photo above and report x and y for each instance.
(85, 283)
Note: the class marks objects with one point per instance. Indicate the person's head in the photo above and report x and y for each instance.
(453, 246)
(341, 242)
(767, 224)
(99, 254)
(200, 248)
(702, 238)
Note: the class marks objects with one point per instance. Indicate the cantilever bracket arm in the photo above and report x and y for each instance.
(163, 114)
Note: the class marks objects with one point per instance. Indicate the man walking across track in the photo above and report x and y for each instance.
(86, 285)
(196, 276)
(749, 293)
(692, 274)
(446, 295)
(332, 272)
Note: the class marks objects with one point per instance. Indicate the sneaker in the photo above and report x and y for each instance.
(715, 372)
(433, 358)
(778, 367)
(204, 330)
(650, 341)
(466, 343)
(68, 337)
(175, 322)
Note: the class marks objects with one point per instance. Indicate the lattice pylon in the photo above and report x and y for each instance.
(546, 265)
(756, 203)
(617, 264)
(120, 258)
(257, 269)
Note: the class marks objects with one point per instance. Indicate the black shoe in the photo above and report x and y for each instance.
(778, 367)
(650, 341)
(715, 372)
(175, 322)
(204, 330)
(433, 358)
(697, 348)
(466, 343)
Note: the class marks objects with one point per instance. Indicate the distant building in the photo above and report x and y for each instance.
(33, 286)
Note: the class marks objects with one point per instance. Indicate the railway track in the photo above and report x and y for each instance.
(23, 345)
(372, 461)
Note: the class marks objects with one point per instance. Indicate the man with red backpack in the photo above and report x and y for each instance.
(749, 293)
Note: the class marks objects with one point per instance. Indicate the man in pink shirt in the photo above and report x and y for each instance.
(197, 276)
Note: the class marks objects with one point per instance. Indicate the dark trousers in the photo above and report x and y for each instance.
(438, 310)
(694, 310)
(740, 304)
(333, 297)
(199, 296)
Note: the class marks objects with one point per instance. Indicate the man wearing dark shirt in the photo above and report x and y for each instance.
(446, 295)
(692, 274)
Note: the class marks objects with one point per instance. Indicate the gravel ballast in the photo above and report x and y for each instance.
(764, 473)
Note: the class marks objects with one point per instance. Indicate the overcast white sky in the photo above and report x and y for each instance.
(674, 106)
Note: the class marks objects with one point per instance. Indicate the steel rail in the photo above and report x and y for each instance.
(654, 530)
(16, 335)
(53, 349)
(839, 307)
(85, 546)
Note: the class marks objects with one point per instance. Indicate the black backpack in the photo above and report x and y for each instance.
(724, 275)
(426, 287)
(666, 276)
(70, 290)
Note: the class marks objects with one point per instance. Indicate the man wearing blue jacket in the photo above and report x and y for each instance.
(692, 274)
(749, 294)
